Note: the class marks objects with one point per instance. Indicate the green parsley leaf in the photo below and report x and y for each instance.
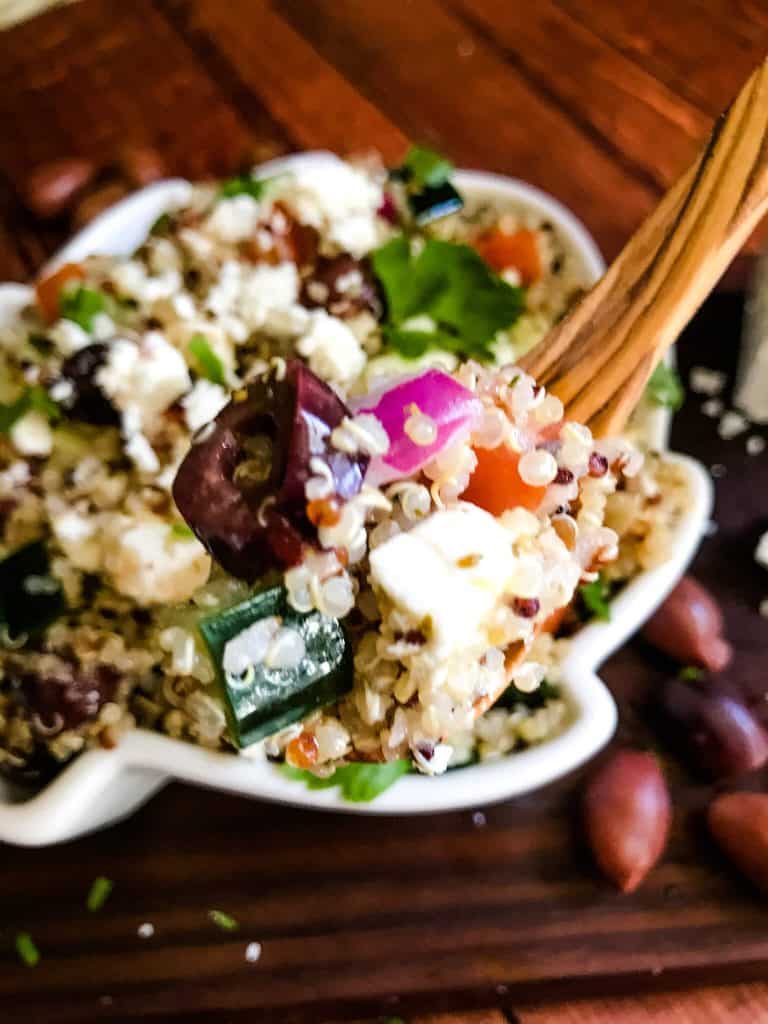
(210, 364)
(99, 893)
(423, 166)
(596, 597)
(360, 783)
(81, 305)
(162, 225)
(34, 399)
(28, 952)
(247, 185)
(223, 921)
(182, 531)
(665, 388)
(450, 284)
(691, 673)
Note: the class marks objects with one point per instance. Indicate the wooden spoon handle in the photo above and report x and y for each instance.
(599, 358)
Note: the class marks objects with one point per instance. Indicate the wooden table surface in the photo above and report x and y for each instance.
(600, 103)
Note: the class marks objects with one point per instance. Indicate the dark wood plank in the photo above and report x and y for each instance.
(702, 51)
(613, 98)
(444, 85)
(293, 81)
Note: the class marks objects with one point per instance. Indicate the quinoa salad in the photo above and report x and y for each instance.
(274, 484)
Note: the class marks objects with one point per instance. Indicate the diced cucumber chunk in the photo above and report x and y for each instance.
(264, 699)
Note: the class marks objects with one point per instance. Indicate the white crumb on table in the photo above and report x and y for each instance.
(253, 952)
(146, 930)
(731, 425)
(478, 819)
(713, 407)
(755, 445)
(711, 528)
(717, 469)
(704, 381)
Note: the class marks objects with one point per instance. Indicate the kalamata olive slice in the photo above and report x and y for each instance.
(241, 487)
(721, 733)
(68, 694)
(342, 285)
(89, 403)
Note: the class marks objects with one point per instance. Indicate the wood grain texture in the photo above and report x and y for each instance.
(597, 102)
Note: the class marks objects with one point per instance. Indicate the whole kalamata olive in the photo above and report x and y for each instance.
(66, 693)
(241, 487)
(723, 736)
(52, 187)
(97, 201)
(627, 814)
(342, 285)
(739, 823)
(689, 627)
(88, 402)
(142, 165)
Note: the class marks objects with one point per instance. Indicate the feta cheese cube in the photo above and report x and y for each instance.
(148, 563)
(32, 435)
(143, 379)
(203, 403)
(333, 351)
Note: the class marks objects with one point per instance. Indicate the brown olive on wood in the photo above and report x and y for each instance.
(689, 627)
(721, 733)
(142, 165)
(51, 188)
(627, 814)
(739, 823)
(97, 201)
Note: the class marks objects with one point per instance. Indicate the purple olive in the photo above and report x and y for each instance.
(722, 734)
(342, 285)
(68, 694)
(241, 487)
(88, 403)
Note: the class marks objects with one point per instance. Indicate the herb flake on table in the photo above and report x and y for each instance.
(26, 949)
(665, 388)
(448, 287)
(359, 783)
(223, 920)
(99, 893)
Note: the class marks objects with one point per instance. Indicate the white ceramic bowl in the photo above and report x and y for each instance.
(100, 786)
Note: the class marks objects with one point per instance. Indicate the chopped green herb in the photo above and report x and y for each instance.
(423, 166)
(596, 597)
(665, 387)
(223, 921)
(451, 285)
(360, 783)
(28, 952)
(162, 225)
(182, 531)
(537, 699)
(34, 399)
(81, 305)
(691, 673)
(30, 598)
(99, 893)
(246, 185)
(210, 364)
(265, 700)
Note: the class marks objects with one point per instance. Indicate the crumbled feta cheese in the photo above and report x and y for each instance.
(32, 434)
(141, 453)
(257, 295)
(333, 351)
(234, 219)
(79, 537)
(150, 564)
(132, 280)
(68, 337)
(704, 381)
(339, 200)
(731, 425)
(203, 403)
(62, 391)
(103, 327)
(143, 379)
(446, 574)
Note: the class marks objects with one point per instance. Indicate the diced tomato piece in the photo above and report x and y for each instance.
(48, 289)
(519, 250)
(496, 484)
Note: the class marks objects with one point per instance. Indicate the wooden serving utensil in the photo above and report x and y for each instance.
(599, 358)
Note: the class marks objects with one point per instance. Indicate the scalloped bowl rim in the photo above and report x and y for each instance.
(100, 787)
